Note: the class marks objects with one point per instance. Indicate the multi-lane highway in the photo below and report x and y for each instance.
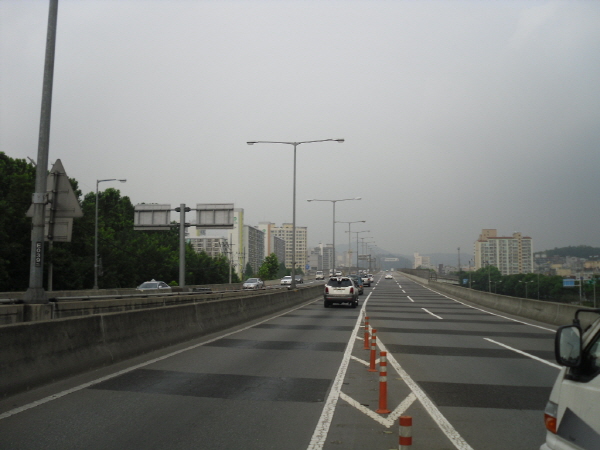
(300, 380)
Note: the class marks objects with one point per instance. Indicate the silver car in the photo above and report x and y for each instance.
(153, 285)
(253, 283)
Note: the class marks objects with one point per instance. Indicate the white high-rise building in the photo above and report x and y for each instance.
(421, 261)
(212, 246)
(511, 255)
(285, 232)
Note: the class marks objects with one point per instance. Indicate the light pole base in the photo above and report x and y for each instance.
(35, 296)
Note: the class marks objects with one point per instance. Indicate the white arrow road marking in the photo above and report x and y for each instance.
(385, 421)
(435, 413)
(362, 361)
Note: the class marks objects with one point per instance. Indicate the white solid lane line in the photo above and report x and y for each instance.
(12, 412)
(523, 353)
(320, 434)
(429, 312)
(493, 314)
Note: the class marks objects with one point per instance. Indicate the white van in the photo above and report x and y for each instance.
(319, 275)
(572, 415)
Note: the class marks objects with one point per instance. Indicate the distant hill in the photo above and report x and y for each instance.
(580, 251)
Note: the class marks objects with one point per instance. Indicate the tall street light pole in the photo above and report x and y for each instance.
(295, 144)
(96, 233)
(357, 233)
(349, 240)
(369, 248)
(35, 292)
(365, 248)
(334, 202)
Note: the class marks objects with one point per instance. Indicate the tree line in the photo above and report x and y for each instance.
(128, 257)
(527, 285)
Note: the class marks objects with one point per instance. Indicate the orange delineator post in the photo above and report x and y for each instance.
(405, 432)
(367, 346)
(383, 384)
(372, 367)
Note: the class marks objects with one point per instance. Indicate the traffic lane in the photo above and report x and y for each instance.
(216, 395)
(472, 321)
(471, 381)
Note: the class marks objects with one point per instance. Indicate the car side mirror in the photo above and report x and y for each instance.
(567, 346)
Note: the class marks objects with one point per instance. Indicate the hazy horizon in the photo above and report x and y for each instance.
(457, 115)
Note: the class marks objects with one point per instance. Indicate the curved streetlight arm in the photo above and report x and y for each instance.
(295, 144)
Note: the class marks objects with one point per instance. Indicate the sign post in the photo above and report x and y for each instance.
(153, 216)
(60, 207)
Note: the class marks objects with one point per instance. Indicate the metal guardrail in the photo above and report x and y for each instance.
(10, 301)
(195, 291)
(203, 291)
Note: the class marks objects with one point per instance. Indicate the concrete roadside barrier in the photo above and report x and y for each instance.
(539, 310)
(35, 353)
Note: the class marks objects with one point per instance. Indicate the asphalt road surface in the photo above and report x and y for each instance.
(300, 380)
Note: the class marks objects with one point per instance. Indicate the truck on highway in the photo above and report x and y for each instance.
(572, 415)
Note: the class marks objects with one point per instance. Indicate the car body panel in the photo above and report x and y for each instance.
(574, 399)
(253, 283)
(153, 285)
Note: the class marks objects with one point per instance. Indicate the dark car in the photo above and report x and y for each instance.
(359, 283)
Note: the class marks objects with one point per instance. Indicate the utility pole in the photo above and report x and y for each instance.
(35, 293)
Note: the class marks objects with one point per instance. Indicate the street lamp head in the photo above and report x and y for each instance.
(339, 140)
(251, 142)
(123, 181)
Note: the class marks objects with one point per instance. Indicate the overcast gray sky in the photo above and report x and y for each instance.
(457, 115)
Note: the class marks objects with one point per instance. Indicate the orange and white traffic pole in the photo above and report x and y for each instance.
(405, 432)
(367, 346)
(383, 384)
(372, 367)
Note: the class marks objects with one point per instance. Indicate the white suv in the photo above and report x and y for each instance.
(319, 275)
(340, 290)
(571, 415)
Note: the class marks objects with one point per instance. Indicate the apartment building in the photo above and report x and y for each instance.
(212, 246)
(272, 243)
(421, 261)
(285, 232)
(253, 248)
(321, 258)
(511, 255)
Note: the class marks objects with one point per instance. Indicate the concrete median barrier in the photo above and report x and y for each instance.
(35, 353)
